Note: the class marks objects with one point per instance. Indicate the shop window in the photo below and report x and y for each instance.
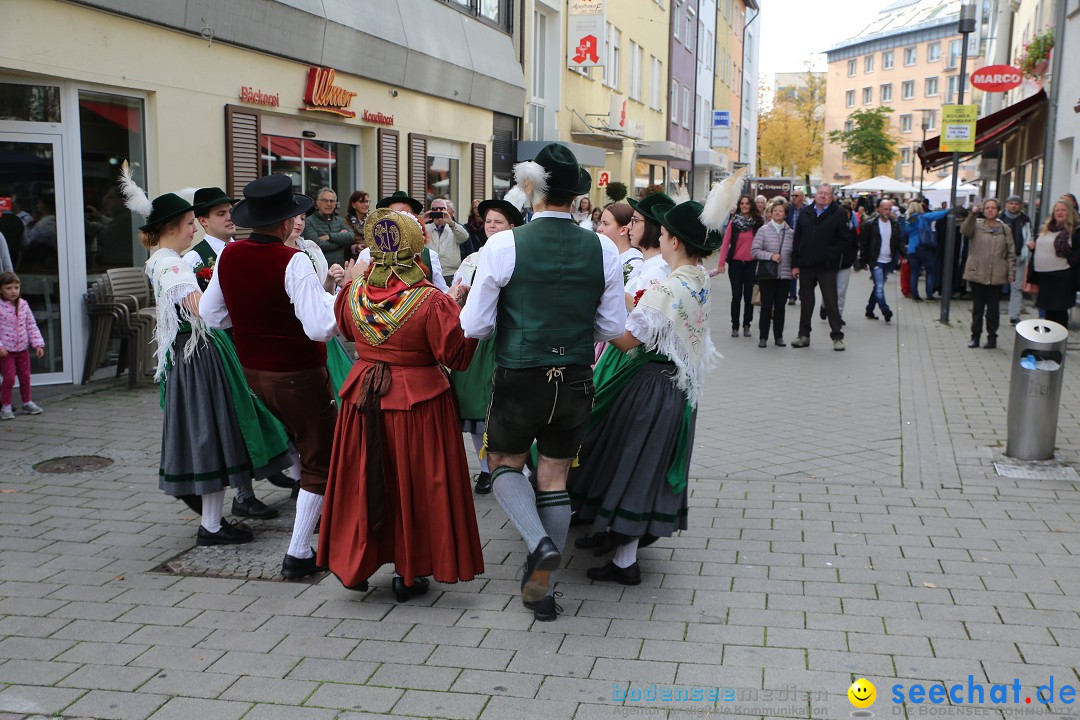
(494, 12)
(110, 131)
(312, 164)
(442, 173)
(911, 54)
(30, 103)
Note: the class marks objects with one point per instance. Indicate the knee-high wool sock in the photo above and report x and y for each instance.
(212, 505)
(554, 511)
(515, 495)
(308, 511)
(626, 555)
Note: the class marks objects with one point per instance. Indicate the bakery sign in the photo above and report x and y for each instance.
(322, 95)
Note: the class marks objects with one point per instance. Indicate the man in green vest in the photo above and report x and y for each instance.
(553, 289)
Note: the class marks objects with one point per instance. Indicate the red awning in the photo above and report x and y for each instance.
(287, 148)
(122, 115)
(989, 131)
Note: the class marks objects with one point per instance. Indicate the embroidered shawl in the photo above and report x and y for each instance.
(378, 313)
(672, 319)
(173, 280)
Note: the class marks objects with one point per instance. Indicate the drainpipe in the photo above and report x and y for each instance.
(1045, 198)
(757, 11)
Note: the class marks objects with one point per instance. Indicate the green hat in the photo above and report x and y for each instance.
(564, 173)
(648, 204)
(401, 196)
(511, 213)
(210, 197)
(684, 222)
(166, 207)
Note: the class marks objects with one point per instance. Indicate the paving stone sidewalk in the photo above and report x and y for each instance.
(846, 521)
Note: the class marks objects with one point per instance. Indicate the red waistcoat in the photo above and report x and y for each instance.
(267, 333)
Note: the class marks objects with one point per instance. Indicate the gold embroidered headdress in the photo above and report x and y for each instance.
(394, 239)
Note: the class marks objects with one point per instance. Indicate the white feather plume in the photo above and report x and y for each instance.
(722, 199)
(680, 195)
(533, 179)
(134, 197)
(517, 197)
(188, 194)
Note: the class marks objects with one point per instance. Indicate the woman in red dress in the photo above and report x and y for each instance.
(399, 488)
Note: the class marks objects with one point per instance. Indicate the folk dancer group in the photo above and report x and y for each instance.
(505, 354)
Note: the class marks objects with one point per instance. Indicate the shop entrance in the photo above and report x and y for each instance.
(30, 166)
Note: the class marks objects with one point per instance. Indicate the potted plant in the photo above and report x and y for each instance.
(1035, 58)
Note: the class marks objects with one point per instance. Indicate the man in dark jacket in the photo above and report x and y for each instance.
(795, 208)
(882, 244)
(821, 235)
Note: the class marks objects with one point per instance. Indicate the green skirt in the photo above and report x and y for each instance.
(338, 364)
(473, 385)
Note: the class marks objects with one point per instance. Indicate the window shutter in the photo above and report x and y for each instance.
(242, 153)
(418, 166)
(479, 171)
(388, 162)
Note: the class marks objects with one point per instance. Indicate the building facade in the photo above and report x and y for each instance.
(907, 59)
(381, 96)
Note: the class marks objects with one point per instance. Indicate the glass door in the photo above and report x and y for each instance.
(36, 236)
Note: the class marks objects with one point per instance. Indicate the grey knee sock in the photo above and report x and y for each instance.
(244, 489)
(554, 511)
(515, 495)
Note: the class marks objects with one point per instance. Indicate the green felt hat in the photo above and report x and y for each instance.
(166, 207)
(401, 196)
(684, 222)
(208, 198)
(649, 203)
(565, 175)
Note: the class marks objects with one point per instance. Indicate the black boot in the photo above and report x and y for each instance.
(974, 343)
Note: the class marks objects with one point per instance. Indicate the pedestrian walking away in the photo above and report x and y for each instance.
(553, 289)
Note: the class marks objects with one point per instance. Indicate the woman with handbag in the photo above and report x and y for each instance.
(735, 252)
(772, 249)
(1056, 253)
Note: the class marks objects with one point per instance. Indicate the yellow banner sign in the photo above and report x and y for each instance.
(958, 128)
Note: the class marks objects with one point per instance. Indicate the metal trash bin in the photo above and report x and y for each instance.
(1038, 369)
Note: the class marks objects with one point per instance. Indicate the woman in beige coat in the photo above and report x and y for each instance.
(991, 262)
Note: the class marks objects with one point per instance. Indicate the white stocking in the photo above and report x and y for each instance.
(212, 505)
(308, 512)
(626, 555)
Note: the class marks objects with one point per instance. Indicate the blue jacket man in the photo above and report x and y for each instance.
(922, 248)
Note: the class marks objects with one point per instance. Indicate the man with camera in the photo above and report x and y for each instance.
(445, 235)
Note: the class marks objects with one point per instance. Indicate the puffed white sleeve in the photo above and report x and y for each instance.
(493, 270)
(212, 306)
(437, 278)
(313, 306)
(610, 319)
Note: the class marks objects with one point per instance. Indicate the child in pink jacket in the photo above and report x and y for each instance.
(18, 333)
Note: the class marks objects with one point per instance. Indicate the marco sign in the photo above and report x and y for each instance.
(997, 78)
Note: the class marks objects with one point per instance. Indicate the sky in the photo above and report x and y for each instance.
(794, 31)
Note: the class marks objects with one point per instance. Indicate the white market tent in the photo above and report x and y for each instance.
(938, 192)
(881, 183)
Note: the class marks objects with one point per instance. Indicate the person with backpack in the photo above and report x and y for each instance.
(922, 244)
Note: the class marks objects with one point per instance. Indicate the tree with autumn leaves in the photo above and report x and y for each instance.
(869, 143)
(791, 132)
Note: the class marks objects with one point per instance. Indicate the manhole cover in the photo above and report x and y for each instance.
(1026, 472)
(73, 464)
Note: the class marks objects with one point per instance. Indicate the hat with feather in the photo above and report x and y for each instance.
(158, 211)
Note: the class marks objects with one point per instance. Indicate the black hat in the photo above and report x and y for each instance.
(401, 196)
(166, 207)
(648, 204)
(269, 200)
(511, 213)
(564, 173)
(210, 197)
(684, 222)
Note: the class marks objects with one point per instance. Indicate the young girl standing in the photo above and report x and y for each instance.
(18, 333)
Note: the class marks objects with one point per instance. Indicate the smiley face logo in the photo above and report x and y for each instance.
(862, 693)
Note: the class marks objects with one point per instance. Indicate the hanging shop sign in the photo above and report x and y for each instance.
(585, 33)
(958, 128)
(258, 97)
(997, 78)
(322, 95)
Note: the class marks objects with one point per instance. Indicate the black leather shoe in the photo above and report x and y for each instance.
(991, 343)
(295, 568)
(483, 484)
(870, 315)
(974, 343)
(613, 573)
(228, 534)
(541, 562)
(763, 343)
(746, 330)
(281, 480)
(588, 542)
(779, 342)
(821, 313)
(545, 609)
(888, 315)
(361, 586)
(253, 507)
(403, 592)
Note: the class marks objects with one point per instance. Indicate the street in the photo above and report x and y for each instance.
(846, 521)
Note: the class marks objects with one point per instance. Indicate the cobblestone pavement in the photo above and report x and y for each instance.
(846, 521)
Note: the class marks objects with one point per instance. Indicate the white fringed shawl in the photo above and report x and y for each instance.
(173, 280)
(672, 319)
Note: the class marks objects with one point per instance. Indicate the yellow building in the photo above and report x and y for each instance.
(604, 114)
(908, 59)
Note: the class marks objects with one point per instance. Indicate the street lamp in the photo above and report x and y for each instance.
(922, 168)
(965, 27)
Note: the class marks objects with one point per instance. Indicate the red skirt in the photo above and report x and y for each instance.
(430, 522)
